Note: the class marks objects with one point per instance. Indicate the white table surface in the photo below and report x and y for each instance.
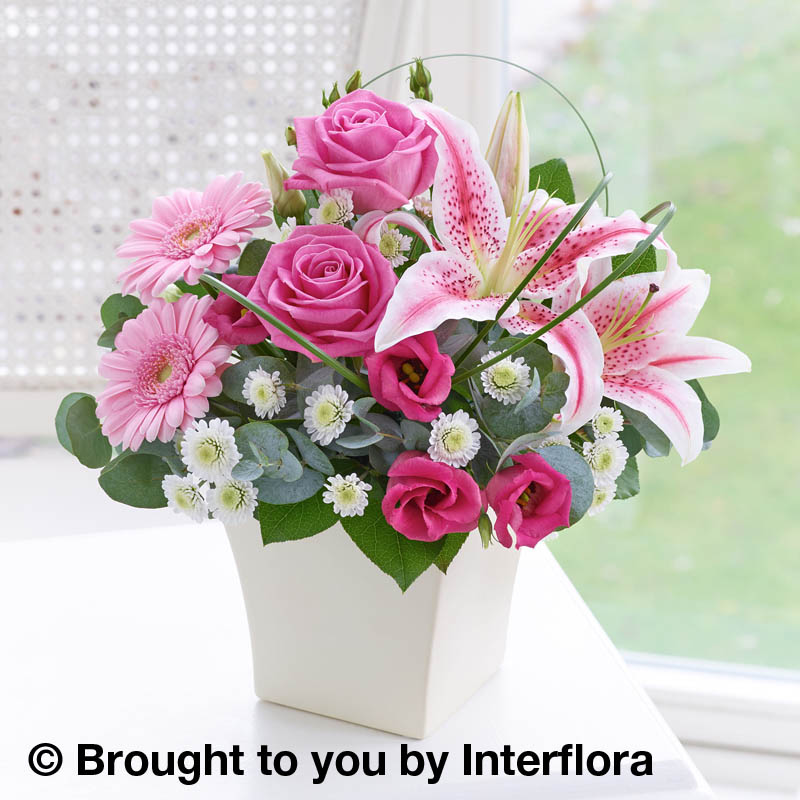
(138, 641)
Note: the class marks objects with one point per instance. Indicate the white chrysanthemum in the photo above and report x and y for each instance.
(557, 438)
(454, 439)
(286, 229)
(232, 501)
(265, 392)
(607, 420)
(348, 495)
(209, 450)
(423, 205)
(185, 496)
(603, 495)
(335, 208)
(328, 412)
(394, 245)
(508, 380)
(606, 455)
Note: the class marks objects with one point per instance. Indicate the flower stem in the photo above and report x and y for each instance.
(351, 376)
(617, 273)
(567, 229)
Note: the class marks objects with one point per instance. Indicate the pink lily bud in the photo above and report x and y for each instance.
(508, 153)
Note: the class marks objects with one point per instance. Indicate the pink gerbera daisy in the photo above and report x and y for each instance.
(190, 232)
(166, 366)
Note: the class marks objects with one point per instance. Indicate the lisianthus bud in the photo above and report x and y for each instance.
(485, 529)
(419, 80)
(287, 202)
(172, 293)
(332, 97)
(353, 82)
(291, 137)
(508, 153)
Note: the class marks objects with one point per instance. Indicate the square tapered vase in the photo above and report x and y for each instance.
(334, 635)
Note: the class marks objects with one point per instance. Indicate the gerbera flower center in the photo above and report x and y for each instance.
(191, 231)
(163, 369)
(412, 374)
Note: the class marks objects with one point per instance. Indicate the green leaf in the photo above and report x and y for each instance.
(252, 257)
(645, 263)
(79, 430)
(553, 176)
(312, 455)
(482, 464)
(404, 560)
(710, 414)
(566, 461)
(120, 307)
(452, 544)
(135, 479)
(554, 395)
(628, 481)
(656, 443)
(293, 521)
(234, 376)
(278, 492)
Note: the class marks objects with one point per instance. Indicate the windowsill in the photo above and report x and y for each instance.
(740, 724)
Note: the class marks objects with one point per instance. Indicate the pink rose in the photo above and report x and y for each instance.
(235, 324)
(531, 498)
(426, 499)
(329, 286)
(411, 377)
(375, 147)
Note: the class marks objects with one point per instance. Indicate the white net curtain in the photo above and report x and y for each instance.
(107, 104)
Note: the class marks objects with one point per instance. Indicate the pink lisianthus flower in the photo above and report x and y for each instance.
(327, 285)
(411, 377)
(531, 498)
(236, 325)
(166, 366)
(375, 147)
(427, 499)
(190, 232)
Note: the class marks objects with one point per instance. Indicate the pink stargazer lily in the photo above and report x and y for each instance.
(642, 322)
(486, 254)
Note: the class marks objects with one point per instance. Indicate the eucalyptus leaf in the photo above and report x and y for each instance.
(293, 521)
(528, 441)
(263, 446)
(234, 376)
(253, 255)
(381, 460)
(312, 455)
(359, 441)
(80, 432)
(570, 464)
(553, 395)
(530, 395)
(311, 375)
(165, 451)
(403, 559)
(656, 443)
(278, 492)
(483, 463)
(290, 469)
(553, 176)
(135, 479)
(505, 422)
(415, 435)
(362, 406)
(392, 435)
(120, 306)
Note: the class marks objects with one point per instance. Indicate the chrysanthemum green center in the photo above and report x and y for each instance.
(326, 413)
(455, 439)
(504, 376)
(389, 245)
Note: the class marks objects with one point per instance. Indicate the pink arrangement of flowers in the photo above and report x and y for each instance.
(427, 339)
